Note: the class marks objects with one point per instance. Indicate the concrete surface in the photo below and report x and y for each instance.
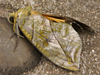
(25, 57)
(86, 11)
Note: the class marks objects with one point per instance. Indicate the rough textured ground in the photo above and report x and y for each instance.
(86, 11)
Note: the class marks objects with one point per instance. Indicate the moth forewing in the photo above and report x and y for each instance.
(59, 42)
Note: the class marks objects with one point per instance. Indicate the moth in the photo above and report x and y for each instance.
(55, 37)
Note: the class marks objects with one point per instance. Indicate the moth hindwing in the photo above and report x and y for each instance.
(59, 42)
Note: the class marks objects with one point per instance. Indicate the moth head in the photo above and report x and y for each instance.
(12, 18)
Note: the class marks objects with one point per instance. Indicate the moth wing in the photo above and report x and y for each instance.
(81, 28)
(59, 42)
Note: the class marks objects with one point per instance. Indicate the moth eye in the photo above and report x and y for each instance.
(11, 19)
(29, 13)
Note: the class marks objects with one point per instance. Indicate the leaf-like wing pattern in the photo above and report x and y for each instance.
(59, 42)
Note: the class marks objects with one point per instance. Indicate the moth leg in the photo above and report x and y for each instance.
(16, 31)
(16, 44)
(12, 35)
(18, 36)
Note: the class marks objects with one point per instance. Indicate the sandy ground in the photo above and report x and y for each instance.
(86, 11)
